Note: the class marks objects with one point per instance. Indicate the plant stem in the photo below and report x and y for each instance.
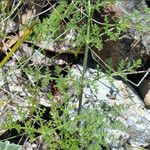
(85, 58)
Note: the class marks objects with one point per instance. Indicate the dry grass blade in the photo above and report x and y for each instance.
(15, 47)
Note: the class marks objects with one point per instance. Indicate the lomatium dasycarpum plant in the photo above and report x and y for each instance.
(79, 17)
(87, 129)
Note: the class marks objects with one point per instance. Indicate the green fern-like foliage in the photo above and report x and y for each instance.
(72, 16)
(50, 27)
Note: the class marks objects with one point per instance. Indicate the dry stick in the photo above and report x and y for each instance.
(137, 72)
(148, 71)
(93, 52)
(42, 12)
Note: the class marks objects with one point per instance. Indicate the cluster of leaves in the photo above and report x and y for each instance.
(50, 27)
(73, 16)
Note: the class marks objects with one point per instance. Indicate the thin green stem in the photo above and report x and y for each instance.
(85, 58)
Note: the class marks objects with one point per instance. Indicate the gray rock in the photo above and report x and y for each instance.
(11, 27)
(135, 117)
(146, 43)
(37, 58)
(130, 6)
